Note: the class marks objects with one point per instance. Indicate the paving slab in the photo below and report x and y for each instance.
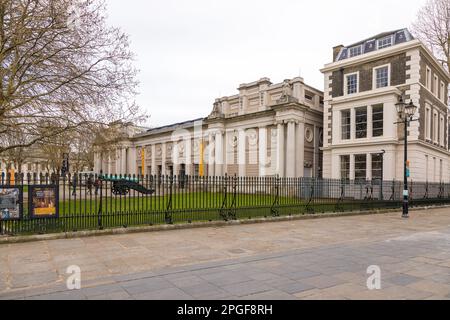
(308, 259)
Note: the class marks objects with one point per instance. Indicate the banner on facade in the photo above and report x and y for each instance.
(11, 203)
(44, 201)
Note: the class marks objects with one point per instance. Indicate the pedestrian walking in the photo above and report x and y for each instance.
(97, 185)
(89, 184)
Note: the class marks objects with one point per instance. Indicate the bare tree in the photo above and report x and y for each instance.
(433, 28)
(61, 68)
(18, 156)
(52, 150)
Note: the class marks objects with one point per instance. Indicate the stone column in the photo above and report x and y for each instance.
(117, 164)
(132, 160)
(280, 149)
(229, 151)
(123, 161)
(97, 163)
(109, 163)
(188, 156)
(300, 159)
(290, 150)
(262, 150)
(163, 158)
(242, 154)
(211, 160)
(153, 147)
(315, 152)
(176, 158)
(219, 153)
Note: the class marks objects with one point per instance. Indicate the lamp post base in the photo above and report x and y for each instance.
(405, 208)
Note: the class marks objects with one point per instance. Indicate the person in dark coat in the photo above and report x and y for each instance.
(74, 183)
(97, 185)
(90, 183)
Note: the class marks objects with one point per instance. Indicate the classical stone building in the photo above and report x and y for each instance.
(266, 129)
(362, 86)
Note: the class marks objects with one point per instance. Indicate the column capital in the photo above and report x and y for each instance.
(219, 131)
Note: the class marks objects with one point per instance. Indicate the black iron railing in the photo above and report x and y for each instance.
(100, 201)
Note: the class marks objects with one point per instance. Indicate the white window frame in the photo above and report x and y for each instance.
(355, 47)
(441, 130)
(346, 81)
(391, 38)
(428, 119)
(354, 167)
(367, 122)
(340, 125)
(435, 127)
(374, 76)
(436, 85)
(349, 165)
(442, 92)
(372, 121)
(428, 78)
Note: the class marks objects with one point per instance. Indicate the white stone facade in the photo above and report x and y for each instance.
(265, 130)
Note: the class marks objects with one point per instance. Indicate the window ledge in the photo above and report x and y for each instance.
(366, 94)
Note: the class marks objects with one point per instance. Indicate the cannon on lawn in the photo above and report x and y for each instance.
(122, 185)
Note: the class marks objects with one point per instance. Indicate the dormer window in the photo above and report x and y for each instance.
(384, 42)
(355, 51)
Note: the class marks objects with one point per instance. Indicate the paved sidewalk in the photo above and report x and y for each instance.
(305, 259)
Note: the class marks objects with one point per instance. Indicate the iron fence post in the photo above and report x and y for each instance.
(168, 214)
(100, 205)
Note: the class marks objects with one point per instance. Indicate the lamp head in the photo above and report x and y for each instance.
(400, 106)
(411, 109)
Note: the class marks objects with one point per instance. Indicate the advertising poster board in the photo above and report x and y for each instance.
(11, 203)
(44, 201)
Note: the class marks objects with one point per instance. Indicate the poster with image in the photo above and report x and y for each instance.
(44, 201)
(11, 203)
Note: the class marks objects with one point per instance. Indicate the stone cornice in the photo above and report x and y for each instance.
(365, 95)
(243, 117)
(291, 106)
(387, 142)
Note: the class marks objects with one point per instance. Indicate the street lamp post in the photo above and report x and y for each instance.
(405, 113)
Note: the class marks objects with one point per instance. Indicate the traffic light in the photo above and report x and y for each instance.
(408, 173)
(65, 164)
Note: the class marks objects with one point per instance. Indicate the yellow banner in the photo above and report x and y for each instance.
(45, 211)
(12, 173)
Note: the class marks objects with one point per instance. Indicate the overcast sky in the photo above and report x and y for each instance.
(191, 52)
